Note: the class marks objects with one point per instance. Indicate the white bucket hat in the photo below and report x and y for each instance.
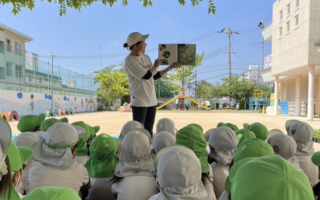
(167, 125)
(26, 139)
(55, 149)
(41, 134)
(163, 139)
(289, 123)
(272, 133)
(128, 127)
(135, 37)
(178, 179)
(302, 133)
(286, 147)
(134, 156)
(224, 140)
(5, 138)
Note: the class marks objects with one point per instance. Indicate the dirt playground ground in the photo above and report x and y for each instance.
(112, 122)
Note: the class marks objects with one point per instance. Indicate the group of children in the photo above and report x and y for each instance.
(52, 159)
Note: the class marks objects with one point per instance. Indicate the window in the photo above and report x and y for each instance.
(288, 8)
(8, 47)
(40, 80)
(19, 71)
(17, 47)
(281, 15)
(297, 3)
(280, 31)
(30, 78)
(297, 20)
(2, 73)
(288, 26)
(9, 69)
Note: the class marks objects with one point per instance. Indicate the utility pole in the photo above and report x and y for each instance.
(229, 32)
(195, 85)
(100, 58)
(261, 25)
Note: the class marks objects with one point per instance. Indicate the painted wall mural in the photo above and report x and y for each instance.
(15, 104)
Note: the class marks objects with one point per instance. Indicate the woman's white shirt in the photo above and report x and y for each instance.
(142, 91)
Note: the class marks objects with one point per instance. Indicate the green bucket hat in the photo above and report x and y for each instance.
(17, 156)
(82, 149)
(103, 159)
(64, 119)
(253, 147)
(30, 122)
(52, 193)
(49, 122)
(270, 177)
(244, 134)
(232, 126)
(316, 158)
(97, 129)
(93, 130)
(192, 137)
(233, 172)
(258, 129)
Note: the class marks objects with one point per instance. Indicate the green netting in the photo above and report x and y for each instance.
(24, 72)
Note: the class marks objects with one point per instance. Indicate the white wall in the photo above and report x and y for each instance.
(41, 103)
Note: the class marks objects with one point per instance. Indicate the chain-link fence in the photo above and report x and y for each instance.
(21, 71)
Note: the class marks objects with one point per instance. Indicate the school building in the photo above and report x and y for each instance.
(294, 65)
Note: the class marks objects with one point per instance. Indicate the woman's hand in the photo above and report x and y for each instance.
(157, 62)
(175, 65)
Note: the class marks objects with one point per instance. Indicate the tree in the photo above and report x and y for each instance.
(205, 89)
(79, 4)
(238, 89)
(164, 88)
(113, 85)
(184, 76)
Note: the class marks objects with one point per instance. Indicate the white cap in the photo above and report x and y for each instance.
(167, 125)
(302, 133)
(26, 139)
(283, 145)
(272, 133)
(55, 149)
(135, 158)
(224, 140)
(135, 37)
(162, 140)
(128, 127)
(179, 175)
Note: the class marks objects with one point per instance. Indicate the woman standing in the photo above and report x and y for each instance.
(141, 73)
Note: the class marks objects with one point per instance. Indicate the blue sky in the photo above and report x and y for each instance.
(79, 34)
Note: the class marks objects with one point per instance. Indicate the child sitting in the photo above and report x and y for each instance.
(30, 123)
(166, 124)
(101, 167)
(55, 155)
(161, 140)
(179, 175)
(26, 139)
(134, 177)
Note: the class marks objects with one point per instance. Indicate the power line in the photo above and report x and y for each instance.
(150, 50)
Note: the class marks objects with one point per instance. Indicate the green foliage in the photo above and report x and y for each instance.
(205, 89)
(238, 89)
(184, 76)
(78, 5)
(317, 134)
(113, 85)
(166, 88)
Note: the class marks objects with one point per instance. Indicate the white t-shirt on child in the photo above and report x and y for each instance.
(100, 189)
(309, 168)
(81, 159)
(142, 91)
(74, 178)
(135, 188)
(220, 174)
